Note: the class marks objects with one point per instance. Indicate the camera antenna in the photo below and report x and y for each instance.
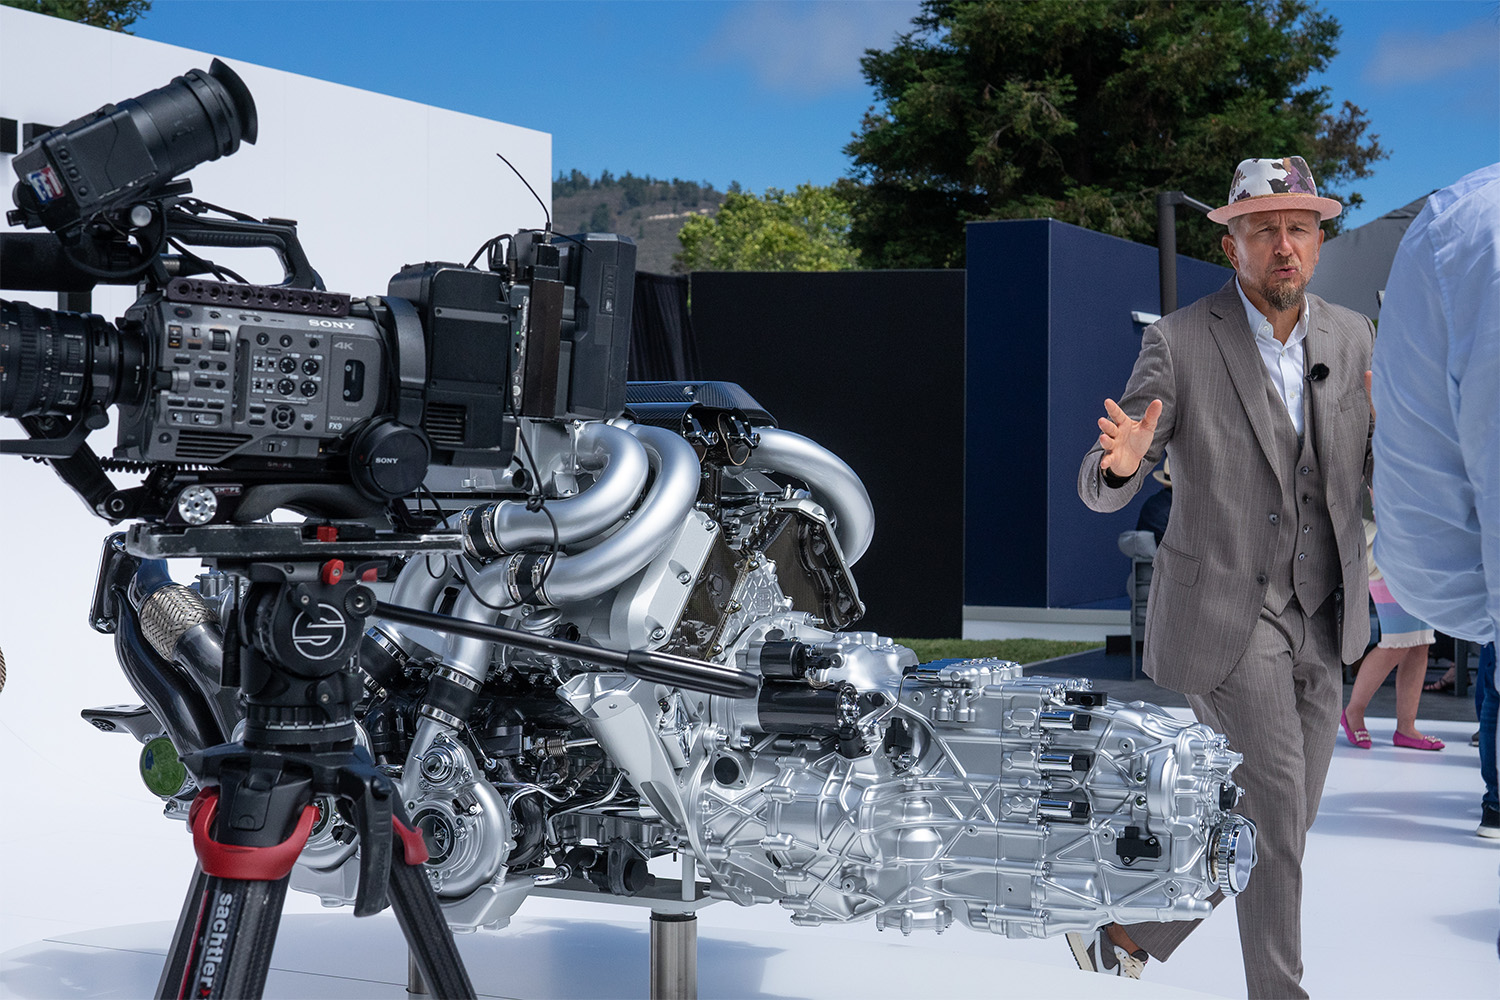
(546, 214)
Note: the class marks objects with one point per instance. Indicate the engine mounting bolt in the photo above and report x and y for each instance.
(684, 577)
(658, 633)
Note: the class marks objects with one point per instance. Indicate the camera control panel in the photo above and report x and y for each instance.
(257, 384)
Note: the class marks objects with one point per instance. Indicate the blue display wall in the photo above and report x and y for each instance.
(1049, 335)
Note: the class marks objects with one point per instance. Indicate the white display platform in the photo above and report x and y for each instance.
(1400, 902)
(566, 956)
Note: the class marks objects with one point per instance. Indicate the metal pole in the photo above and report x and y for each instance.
(674, 956)
(1166, 248)
(415, 985)
(1166, 242)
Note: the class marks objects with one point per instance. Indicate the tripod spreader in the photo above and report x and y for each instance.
(679, 671)
(264, 799)
(248, 832)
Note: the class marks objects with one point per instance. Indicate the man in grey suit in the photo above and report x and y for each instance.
(1259, 393)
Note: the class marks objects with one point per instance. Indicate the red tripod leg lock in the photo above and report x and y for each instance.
(248, 864)
(413, 847)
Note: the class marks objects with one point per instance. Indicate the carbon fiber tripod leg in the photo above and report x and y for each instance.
(222, 946)
(181, 949)
(427, 934)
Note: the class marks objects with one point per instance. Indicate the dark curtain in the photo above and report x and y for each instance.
(662, 347)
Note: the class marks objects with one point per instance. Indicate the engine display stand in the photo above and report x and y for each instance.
(674, 905)
(674, 956)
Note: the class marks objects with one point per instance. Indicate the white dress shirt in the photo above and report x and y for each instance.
(1284, 362)
(1437, 412)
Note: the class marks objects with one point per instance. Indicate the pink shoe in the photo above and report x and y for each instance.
(1359, 737)
(1411, 743)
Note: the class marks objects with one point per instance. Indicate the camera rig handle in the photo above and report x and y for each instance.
(280, 235)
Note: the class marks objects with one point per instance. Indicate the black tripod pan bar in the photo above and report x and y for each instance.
(679, 671)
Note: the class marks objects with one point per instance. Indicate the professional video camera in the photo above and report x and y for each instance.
(294, 396)
(619, 633)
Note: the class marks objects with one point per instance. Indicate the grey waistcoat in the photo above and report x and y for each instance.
(1305, 560)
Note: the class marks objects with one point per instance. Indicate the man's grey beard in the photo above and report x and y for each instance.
(1285, 295)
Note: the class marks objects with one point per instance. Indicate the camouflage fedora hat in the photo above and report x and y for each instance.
(1272, 185)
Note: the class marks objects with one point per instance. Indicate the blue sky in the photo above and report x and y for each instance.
(768, 92)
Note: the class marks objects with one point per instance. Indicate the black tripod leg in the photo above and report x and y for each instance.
(181, 949)
(427, 935)
(224, 940)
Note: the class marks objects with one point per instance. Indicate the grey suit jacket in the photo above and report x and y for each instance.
(1209, 582)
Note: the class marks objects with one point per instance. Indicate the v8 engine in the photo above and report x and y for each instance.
(858, 783)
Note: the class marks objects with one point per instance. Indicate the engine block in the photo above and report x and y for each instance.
(857, 784)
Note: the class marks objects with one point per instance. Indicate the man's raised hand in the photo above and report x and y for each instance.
(1126, 441)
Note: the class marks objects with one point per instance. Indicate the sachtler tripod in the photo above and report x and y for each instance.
(288, 646)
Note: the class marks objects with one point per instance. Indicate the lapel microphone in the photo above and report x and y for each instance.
(1319, 372)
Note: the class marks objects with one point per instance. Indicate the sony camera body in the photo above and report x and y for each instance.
(263, 379)
(306, 398)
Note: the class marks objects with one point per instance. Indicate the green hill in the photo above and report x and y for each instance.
(649, 210)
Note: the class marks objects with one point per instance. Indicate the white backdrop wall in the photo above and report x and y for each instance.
(374, 182)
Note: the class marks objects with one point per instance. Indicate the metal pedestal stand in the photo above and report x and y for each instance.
(674, 905)
(674, 956)
(674, 932)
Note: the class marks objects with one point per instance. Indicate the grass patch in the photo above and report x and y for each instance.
(1021, 650)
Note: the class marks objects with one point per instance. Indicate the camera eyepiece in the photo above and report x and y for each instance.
(124, 154)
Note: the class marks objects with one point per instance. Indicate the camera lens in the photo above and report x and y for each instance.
(55, 364)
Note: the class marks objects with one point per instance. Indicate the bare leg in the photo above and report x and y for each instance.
(1410, 673)
(1373, 671)
(1117, 934)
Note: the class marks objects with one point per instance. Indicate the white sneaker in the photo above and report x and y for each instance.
(1083, 949)
(1095, 952)
(1126, 964)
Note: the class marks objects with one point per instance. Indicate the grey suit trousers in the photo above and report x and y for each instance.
(1280, 707)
